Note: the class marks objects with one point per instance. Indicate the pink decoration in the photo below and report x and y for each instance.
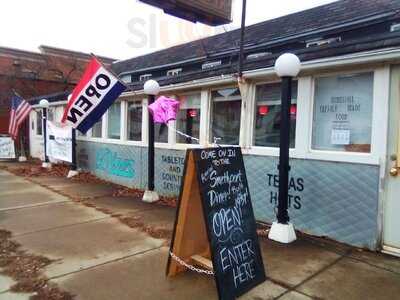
(164, 109)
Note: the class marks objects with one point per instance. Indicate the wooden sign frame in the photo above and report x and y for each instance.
(191, 241)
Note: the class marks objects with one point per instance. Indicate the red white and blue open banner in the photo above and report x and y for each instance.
(91, 98)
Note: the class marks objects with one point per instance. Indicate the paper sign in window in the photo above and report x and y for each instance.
(340, 137)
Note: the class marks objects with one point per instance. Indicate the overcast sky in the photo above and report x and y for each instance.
(121, 28)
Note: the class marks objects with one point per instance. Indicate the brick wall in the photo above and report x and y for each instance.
(32, 74)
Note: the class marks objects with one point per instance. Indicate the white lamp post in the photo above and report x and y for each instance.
(44, 104)
(151, 89)
(287, 66)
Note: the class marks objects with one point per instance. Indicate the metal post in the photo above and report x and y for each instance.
(44, 113)
(242, 34)
(284, 168)
(189, 127)
(73, 171)
(150, 171)
(73, 163)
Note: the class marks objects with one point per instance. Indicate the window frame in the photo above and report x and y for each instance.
(36, 122)
(304, 122)
(242, 117)
(193, 145)
(174, 72)
(253, 106)
(144, 120)
(97, 138)
(145, 77)
(380, 111)
(120, 121)
(336, 74)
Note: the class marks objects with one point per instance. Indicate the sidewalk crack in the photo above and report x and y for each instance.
(107, 262)
(295, 287)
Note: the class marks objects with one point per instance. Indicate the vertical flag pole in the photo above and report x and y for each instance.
(73, 164)
(242, 34)
(22, 130)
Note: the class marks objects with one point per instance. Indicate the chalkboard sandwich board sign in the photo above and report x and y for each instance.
(215, 228)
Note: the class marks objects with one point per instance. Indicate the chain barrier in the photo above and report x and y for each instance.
(216, 139)
(190, 267)
(183, 134)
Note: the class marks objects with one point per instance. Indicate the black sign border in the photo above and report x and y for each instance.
(263, 278)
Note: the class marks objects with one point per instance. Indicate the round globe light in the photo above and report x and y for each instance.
(44, 103)
(287, 65)
(151, 87)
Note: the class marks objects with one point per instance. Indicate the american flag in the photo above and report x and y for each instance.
(20, 109)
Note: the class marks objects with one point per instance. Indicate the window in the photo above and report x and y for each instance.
(97, 129)
(144, 77)
(267, 121)
(134, 121)
(174, 72)
(50, 114)
(258, 55)
(343, 113)
(395, 27)
(127, 78)
(114, 121)
(226, 110)
(160, 133)
(188, 118)
(39, 122)
(320, 42)
(211, 65)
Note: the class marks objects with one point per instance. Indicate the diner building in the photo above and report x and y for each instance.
(344, 118)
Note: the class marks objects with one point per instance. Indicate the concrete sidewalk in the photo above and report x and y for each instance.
(98, 257)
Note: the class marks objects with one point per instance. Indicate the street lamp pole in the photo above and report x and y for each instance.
(151, 89)
(44, 104)
(284, 167)
(287, 66)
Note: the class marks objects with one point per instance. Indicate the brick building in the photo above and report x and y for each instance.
(31, 74)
